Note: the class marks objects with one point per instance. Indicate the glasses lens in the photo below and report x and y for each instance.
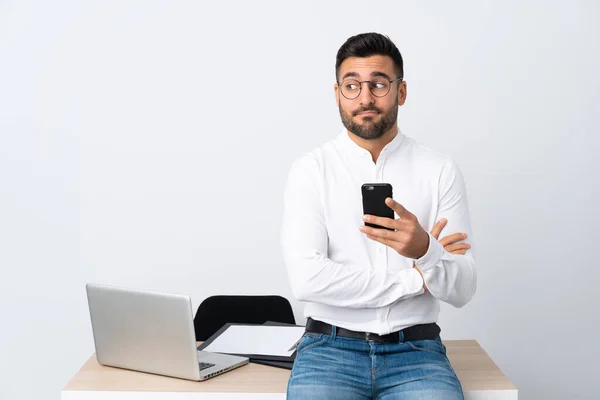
(350, 88)
(379, 87)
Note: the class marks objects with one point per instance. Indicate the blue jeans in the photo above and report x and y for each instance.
(331, 368)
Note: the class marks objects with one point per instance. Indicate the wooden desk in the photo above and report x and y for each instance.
(480, 377)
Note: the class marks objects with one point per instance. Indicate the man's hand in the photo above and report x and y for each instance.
(408, 237)
(450, 242)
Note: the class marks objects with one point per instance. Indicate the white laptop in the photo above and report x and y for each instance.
(151, 332)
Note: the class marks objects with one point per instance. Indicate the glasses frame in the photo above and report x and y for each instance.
(370, 89)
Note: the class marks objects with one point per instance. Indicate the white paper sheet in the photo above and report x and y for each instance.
(257, 339)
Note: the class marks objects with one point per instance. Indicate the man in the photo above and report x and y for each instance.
(372, 295)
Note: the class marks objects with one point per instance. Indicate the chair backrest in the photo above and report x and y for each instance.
(216, 311)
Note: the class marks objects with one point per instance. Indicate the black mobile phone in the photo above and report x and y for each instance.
(373, 198)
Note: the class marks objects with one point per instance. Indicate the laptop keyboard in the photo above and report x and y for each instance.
(204, 365)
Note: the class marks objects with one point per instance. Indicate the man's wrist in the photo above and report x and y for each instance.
(424, 247)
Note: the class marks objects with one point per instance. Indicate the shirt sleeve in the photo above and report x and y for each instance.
(451, 278)
(312, 275)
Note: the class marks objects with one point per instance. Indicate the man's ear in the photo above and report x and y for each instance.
(402, 92)
(336, 89)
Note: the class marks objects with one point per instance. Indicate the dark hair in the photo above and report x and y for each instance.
(367, 45)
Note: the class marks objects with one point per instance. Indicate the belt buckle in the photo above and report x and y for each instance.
(372, 337)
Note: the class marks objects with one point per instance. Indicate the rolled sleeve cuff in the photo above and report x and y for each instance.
(432, 257)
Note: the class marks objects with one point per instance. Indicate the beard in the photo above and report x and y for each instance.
(369, 129)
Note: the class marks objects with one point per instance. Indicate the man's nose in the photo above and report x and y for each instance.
(366, 97)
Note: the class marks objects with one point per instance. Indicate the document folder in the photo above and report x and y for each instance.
(268, 342)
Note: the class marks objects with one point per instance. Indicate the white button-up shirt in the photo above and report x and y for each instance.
(354, 282)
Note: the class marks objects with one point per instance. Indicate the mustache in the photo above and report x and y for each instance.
(363, 109)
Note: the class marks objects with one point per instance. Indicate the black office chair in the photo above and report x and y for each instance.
(216, 311)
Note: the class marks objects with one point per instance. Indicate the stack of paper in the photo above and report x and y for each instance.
(265, 344)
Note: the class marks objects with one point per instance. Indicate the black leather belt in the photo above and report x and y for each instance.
(416, 332)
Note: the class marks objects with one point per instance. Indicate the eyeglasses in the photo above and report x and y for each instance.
(379, 87)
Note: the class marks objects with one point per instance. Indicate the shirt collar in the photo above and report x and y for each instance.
(349, 144)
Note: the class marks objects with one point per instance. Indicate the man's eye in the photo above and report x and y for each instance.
(351, 86)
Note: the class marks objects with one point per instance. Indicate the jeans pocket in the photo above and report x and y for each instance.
(434, 345)
(309, 341)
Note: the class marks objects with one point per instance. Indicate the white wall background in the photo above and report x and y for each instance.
(146, 144)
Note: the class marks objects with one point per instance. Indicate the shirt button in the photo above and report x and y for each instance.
(382, 319)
